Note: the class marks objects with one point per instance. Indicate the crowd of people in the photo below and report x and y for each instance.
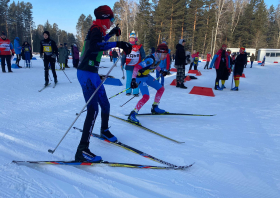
(134, 60)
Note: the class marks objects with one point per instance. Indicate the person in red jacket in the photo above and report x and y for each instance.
(208, 60)
(111, 55)
(6, 48)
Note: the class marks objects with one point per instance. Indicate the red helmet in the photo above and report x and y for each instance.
(162, 48)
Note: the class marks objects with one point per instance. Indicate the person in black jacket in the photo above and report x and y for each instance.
(240, 62)
(94, 45)
(115, 55)
(49, 52)
(180, 61)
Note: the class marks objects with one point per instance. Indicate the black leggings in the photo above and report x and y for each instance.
(46, 66)
(8, 59)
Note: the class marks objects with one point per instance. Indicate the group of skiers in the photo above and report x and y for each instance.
(138, 67)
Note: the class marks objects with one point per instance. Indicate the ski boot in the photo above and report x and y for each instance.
(156, 110)
(83, 154)
(223, 87)
(136, 95)
(132, 117)
(178, 84)
(234, 89)
(217, 87)
(183, 86)
(105, 133)
(46, 83)
(55, 80)
(128, 94)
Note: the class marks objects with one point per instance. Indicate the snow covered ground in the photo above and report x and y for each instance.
(236, 152)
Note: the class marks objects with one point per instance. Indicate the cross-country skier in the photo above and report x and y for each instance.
(26, 51)
(221, 62)
(141, 77)
(94, 45)
(240, 62)
(49, 52)
(135, 57)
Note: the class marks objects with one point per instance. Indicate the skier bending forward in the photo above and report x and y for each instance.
(141, 77)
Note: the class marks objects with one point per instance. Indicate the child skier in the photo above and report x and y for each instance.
(141, 77)
(135, 57)
(240, 62)
(87, 73)
(221, 62)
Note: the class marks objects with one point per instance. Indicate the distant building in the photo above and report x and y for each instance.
(271, 55)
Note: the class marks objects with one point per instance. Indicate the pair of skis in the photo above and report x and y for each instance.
(47, 86)
(112, 164)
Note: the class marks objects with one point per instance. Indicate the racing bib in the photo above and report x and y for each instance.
(26, 49)
(47, 48)
(134, 57)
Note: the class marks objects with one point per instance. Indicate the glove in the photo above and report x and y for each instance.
(13, 54)
(53, 56)
(164, 73)
(127, 47)
(133, 84)
(229, 71)
(115, 31)
(41, 56)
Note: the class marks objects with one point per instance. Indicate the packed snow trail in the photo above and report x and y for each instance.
(236, 152)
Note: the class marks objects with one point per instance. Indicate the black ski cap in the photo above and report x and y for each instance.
(46, 32)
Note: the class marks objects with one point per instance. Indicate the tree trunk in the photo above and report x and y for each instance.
(206, 33)
(194, 26)
(159, 33)
(170, 34)
(220, 8)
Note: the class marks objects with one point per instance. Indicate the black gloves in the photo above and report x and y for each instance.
(127, 47)
(42, 56)
(133, 84)
(164, 73)
(115, 31)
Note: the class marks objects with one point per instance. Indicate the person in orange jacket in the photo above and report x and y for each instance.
(6, 48)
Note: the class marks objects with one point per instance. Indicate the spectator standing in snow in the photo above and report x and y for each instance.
(75, 55)
(180, 62)
(221, 62)
(17, 50)
(208, 58)
(111, 55)
(252, 59)
(62, 56)
(115, 55)
(6, 48)
(66, 58)
(240, 62)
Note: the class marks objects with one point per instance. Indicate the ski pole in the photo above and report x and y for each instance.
(128, 101)
(66, 76)
(120, 93)
(52, 151)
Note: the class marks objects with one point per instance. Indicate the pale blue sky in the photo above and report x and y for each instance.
(66, 12)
